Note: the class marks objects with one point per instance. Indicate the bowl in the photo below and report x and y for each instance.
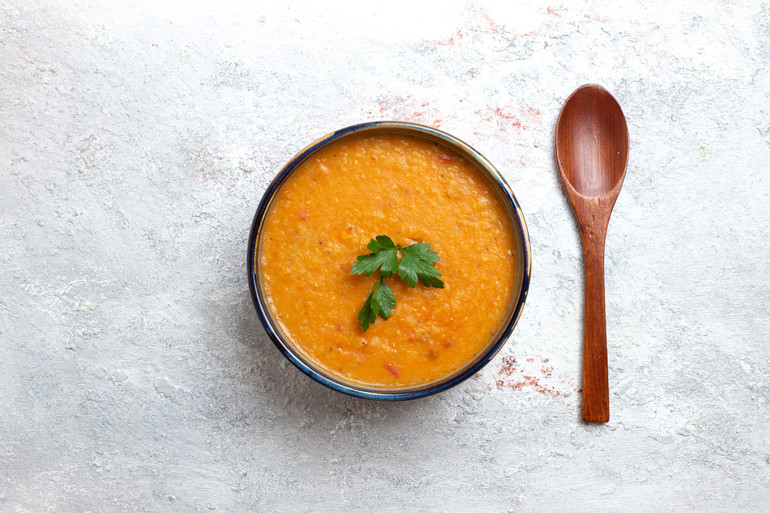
(471, 367)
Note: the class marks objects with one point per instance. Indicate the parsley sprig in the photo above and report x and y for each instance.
(416, 264)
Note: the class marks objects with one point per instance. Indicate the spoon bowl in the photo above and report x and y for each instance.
(592, 142)
(592, 154)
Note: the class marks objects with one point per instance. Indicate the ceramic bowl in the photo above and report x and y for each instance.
(470, 368)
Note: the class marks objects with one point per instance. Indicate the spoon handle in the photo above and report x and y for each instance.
(596, 392)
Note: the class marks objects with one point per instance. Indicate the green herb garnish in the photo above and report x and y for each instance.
(416, 264)
(380, 302)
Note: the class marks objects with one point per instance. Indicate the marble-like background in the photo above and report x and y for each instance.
(136, 139)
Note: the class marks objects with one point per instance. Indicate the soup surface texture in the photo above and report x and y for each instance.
(412, 190)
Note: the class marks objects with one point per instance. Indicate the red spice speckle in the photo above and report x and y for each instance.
(350, 410)
(303, 213)
(408, 108)
(508, 365)
(530, 112)
(338, 327)
(392, 369)
(557, 11)
(588, 12)
(534, 373)
(450, 40)
(480, 23)
(514, 116)
(445, 157)
(513, 120)
(491, 25)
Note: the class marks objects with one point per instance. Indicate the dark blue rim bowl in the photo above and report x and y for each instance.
(295, 357)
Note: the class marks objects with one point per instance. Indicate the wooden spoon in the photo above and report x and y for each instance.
(592, 153)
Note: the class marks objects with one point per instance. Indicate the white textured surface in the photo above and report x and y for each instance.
(137, 139)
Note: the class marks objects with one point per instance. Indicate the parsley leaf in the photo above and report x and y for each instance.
(384, 256)
(380, 243)
(380, 302)
(417, 262)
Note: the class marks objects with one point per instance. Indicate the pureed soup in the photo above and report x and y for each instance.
(413, 190)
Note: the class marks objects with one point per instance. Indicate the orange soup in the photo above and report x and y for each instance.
(412, 190)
